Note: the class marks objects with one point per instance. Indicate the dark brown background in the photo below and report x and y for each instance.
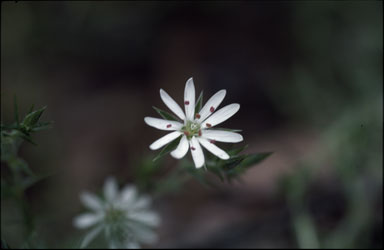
(306, 74)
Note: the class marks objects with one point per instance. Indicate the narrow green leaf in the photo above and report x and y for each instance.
(171, 146)
(27, 138)
(32, 107)
(253, 159)
(233, 162)
(42, 126)
(32, 118)
(199, 103)
(165, 115)
(242, 163)
(236, 151)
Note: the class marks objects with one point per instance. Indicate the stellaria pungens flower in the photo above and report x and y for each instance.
(125, 217)
(196, 127)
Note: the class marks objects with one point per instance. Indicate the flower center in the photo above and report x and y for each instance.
(191, 129)
(113, 216)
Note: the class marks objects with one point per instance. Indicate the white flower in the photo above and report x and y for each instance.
(196, 128)
(124, 217)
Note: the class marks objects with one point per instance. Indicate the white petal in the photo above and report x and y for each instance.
(132, 245)
(90, 236)
(214, 149)
(197, 152)
(142, 203)
(91, 201)
(147, 218)
(221, 115)
(164, 140)
(181, 149)
(189, 99)
(144, 234)
(128, 195)
(213, 102)
(163, 124)
(110, 189)
(171, 104)
(221, 135)
(86, 220)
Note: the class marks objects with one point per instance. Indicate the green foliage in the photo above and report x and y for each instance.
(227, 170)
(20, 177)
(13, 135)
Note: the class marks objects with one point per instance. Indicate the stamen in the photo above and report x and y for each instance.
(209, 125)
(169, 125)
(193, 148)
(212, 109)
(199, 132)
(212, 141)
(186, 133)
(186, 102)
(198, 116)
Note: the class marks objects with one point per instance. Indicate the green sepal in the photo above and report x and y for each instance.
(165, 114)
(199, 103)
(170, 147)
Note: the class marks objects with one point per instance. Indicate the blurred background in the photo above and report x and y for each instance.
(308, 76)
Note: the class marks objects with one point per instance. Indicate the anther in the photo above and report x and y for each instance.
(212, 141)
(186, 133)
(212, 109)
(169, 125)
(186, 102)
(209, 125)
(198, 116)
(193, 148)
(199, 132)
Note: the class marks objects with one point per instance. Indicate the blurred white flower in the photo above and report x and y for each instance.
(196, 128)
(124, 217)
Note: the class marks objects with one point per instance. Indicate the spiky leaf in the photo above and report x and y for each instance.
(31, 119)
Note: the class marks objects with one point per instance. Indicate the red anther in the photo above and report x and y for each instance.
(212, 141)
(186, 102)
(198, 116)
(212, 109)
(199, 132)
(186, 133)
(209, 125)
(193, 148)
(169, 125)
